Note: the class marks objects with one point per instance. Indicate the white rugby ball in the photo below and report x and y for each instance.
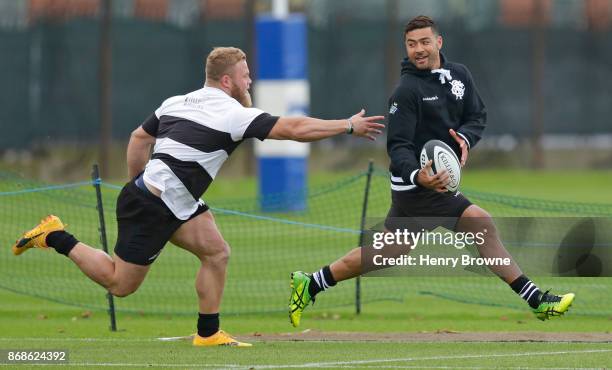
(443, 158)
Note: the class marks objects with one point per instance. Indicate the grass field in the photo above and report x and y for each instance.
(29, 325)
(576, 340)
(573, 185)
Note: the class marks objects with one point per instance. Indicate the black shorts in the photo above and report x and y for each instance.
(425, 209)
(145, 225)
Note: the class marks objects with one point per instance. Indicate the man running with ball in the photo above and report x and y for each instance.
(435, 99)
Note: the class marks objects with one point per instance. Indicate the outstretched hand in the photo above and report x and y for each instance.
(462, 145)
(367, 127)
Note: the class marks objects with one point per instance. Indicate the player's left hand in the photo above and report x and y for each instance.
(462, 145)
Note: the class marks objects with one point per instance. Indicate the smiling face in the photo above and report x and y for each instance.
(423, 48)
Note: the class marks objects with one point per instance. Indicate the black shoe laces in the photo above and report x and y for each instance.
(550, 298)
(299, 300)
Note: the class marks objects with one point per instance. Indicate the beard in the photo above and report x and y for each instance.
(428, 64)
(432, 59)
(243, 97)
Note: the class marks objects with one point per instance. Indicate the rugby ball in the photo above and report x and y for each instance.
(443, 158)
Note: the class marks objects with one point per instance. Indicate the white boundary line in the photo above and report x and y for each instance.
(142, 365)
(465, 367)
(337, 364)
(74, 339)
(407, 359)
(175, 339)
(234, 366)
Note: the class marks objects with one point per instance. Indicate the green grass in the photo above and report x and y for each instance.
(569, 185)
(262, 258)
(415, 313)
(29, 325)
(147, 354)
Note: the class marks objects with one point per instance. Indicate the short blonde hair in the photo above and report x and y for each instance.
(220, 60)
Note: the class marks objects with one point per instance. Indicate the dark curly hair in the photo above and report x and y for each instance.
(422, 21)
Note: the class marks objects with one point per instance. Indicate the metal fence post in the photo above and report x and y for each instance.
(95, 176)
(364, 211)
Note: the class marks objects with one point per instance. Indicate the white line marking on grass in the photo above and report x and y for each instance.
(173, 339)
(117, 364)
(41, 339)
(468, 367)
(338, 364)
(406, 359)
(235, 366)
(335, 364)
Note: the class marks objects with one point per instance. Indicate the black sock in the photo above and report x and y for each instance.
(527, 290)
(62, 241)
(208, 324)
(321, 280)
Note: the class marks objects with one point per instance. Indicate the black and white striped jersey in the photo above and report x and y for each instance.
(195, 134)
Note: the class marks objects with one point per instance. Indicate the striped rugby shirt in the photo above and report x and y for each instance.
(195, 133)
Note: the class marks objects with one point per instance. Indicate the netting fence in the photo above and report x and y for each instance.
(265, 249)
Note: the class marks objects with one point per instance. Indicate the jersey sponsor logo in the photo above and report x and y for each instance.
(457, 89)
(393, 108)
(430, 98)
(197, 103)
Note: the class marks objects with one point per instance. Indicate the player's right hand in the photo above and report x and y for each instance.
(367, 126)
(436, 182)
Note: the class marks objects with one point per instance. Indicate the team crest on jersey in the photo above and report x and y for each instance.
(393, 108)
(457, 89)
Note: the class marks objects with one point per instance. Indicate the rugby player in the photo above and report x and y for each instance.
(434, 99)
(193, 135)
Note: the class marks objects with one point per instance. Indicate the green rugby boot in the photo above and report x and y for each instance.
(300, 297)
(553, 305)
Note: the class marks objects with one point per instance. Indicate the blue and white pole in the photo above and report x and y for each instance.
(282, 89)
